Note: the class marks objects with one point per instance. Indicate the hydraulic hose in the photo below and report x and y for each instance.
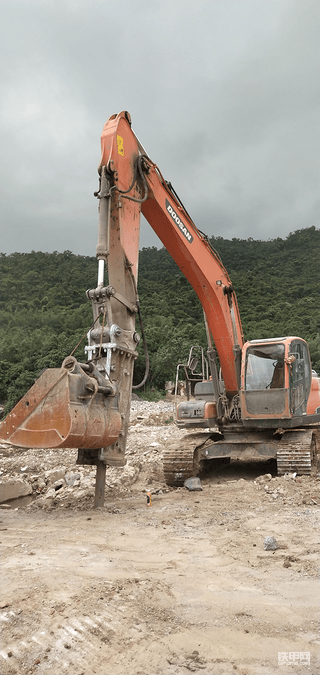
(145, 347)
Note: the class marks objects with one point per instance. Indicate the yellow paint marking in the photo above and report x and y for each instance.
(120, 146)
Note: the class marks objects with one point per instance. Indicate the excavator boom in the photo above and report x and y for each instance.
(189, 248)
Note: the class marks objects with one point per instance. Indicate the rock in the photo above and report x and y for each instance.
(129, 475)
(270, 544)
(34, 478)
(14, 488)
(263, 478)
(86, 481)
(72, 478)
(193, 484)
(50, 493)
(54, 474)
(58, 484)
(43, 503)
(82, 493)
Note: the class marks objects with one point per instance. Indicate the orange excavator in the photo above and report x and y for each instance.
(265, 402)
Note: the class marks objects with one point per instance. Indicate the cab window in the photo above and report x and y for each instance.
(265, 367)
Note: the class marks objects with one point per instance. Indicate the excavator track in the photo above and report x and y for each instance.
(297, 453)
(180, 460)
(178, 465)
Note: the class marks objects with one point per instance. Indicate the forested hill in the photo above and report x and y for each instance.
(44, 311)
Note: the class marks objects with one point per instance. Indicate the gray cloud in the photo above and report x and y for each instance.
(223, 95)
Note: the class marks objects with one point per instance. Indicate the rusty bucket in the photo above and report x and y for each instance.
(67, 407)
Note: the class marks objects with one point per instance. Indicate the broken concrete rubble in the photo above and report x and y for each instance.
(72, 478)
(13, 488)
(56, 479)
(55, 474)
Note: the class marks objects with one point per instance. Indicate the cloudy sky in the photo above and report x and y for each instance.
(223, 94)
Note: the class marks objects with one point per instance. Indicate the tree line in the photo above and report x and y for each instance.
(44, 311)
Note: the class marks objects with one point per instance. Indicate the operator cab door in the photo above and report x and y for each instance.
(299, 377)
(265, 395)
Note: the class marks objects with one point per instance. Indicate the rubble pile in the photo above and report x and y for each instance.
(49, 479)
(289, 489)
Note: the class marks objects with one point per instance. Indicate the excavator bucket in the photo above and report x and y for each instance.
(65, 408)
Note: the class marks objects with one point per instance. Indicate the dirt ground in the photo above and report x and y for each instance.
(183, 586)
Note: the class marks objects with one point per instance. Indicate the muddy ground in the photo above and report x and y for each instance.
(183, 586)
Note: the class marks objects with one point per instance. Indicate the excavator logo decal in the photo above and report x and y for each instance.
(179, 222)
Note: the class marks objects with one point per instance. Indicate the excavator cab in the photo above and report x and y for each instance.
(276, 380)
